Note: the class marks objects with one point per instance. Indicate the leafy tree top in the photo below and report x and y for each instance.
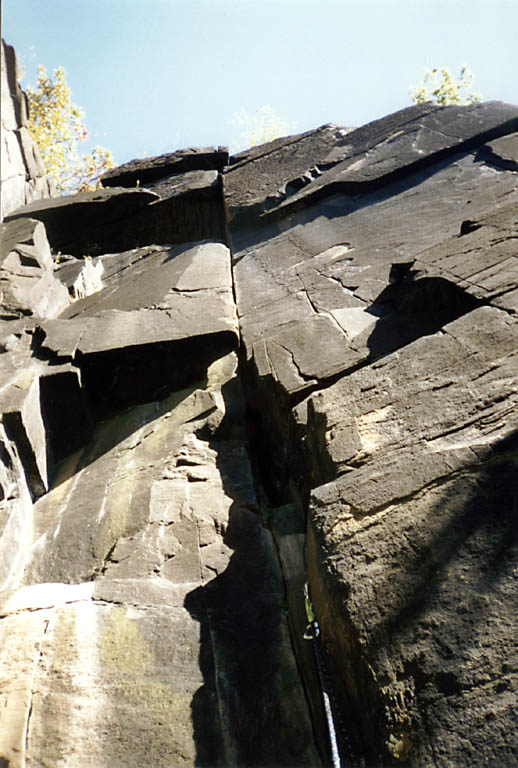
(56, 125)
(439, 86)
(261, 127)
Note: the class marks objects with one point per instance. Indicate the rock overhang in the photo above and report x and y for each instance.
(117, 218)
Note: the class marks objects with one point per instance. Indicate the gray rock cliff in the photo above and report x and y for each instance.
(298, 364)
(23, 177)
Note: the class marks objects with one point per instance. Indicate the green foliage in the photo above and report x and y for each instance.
(261, 127)
(439, 86)
(57, 127)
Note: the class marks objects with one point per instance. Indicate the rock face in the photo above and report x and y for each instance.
(23, 176)
(222, 378)
(141, 580)
(377, 307)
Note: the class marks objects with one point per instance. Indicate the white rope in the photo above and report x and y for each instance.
(312, 633)
(335, 755)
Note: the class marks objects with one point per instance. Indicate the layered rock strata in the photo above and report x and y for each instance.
(226, 377)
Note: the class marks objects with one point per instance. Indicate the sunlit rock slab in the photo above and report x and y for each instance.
(189, 286)
(414, 137)
(421, 413)
(338, 273)
(90, 683)
(161, 316)
(262, 176)
(287, 173)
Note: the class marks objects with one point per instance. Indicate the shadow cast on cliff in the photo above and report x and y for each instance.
(448, 607)
(476, 546)
(116, 428)
(249, 690)
(239, 622)
(419, 307)
(431, 633)
(128, 389)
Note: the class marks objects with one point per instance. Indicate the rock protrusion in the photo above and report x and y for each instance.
(150, 170)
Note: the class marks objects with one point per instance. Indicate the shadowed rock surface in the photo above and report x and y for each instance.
(200, 414)
(118, 218)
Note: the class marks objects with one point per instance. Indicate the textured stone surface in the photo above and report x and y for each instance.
(33, 426)
(173, 282)
(23, 423)
(15, 511)
(149, 170)
(338, 288)
(502, 153)
(78, 223)
(42, 417)
(143, 595)
(158, 306)
(333, 269)
(426, 586)
(179, 183)
(414, 137)
(420, 414)
(186, 598)
(484, 261)
(262, 176)
(14, 106)
(409, 536)
(158, 522)
(386, 392)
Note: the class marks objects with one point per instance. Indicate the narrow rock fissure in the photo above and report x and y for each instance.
(305, 662)
(258, 465)
(32, 686)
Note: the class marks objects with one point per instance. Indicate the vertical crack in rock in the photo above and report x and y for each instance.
(27, 752)
(386, 430)
(372, 452)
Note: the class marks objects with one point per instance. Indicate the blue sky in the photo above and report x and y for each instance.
(157, 75)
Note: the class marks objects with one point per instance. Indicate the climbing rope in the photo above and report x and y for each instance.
(312, 633)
